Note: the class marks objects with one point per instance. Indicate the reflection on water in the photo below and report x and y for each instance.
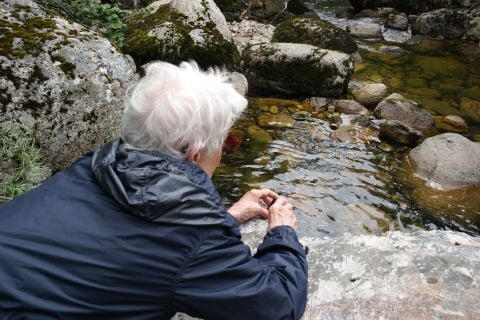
(337, 189)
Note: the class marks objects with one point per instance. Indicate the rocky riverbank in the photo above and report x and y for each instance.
(374, 135)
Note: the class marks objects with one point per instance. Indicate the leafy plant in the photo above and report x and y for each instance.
(104, 17)
(17, 148)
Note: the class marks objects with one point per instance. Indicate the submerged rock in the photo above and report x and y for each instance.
(471, 108)
(451, 123)
(354, 134)
(396, 107)
(275, 121)
(297, 69)
(371, 94)
(61, 81)
(181, 31)
(447, 161)
(315, 32)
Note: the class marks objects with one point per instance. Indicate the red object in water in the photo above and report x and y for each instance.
(231, 144)
(231, 140)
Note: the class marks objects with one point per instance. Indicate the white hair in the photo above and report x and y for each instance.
(181, 110)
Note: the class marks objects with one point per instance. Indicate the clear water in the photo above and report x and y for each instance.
(343, 189)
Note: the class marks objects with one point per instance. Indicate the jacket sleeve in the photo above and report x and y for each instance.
(223, 280)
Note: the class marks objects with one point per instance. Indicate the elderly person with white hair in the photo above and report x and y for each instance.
(136, 229)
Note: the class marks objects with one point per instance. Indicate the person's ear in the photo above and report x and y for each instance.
(193, 157)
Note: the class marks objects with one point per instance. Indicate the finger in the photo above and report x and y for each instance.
(264, 193)
(263, 213)
(280, 202)
(268, 201)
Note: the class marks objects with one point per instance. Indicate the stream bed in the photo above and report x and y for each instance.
(342, 189)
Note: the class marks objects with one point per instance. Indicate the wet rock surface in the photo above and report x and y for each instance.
(62, 81)
(401, 133)
(396, 107)
(433, 161)
(349, 107)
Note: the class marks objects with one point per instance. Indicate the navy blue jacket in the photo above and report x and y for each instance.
(130, 234)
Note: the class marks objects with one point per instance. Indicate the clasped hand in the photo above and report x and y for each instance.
(275, 208)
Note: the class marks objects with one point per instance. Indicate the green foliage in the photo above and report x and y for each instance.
(18, 149)
(106, 18)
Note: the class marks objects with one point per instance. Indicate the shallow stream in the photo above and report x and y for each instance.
(342, 189)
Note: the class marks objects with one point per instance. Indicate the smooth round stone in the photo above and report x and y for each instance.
(371, 94)
(275, 121)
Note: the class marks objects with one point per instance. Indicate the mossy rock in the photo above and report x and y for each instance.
(168, 36)
(315, 32)
(444, 23)
(293, 69)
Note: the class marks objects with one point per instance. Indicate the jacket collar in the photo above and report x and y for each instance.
(158, 187)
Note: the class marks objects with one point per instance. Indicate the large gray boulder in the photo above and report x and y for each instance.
(59, 80)
(297, 69)
(445, 23)
(447, 161)
(423, 275)
(179, 31)
(396, 107)
(315, 32)
(419, 275)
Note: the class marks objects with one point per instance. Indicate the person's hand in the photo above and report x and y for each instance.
(249, 206)
(281, 214)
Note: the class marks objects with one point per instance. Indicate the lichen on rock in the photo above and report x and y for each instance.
(314, 32)
(169, 35)
(59, 80)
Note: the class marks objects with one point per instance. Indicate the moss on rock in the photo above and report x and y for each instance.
(166, 35)
(315, 32)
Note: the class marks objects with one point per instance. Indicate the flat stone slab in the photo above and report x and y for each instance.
(419, 275)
